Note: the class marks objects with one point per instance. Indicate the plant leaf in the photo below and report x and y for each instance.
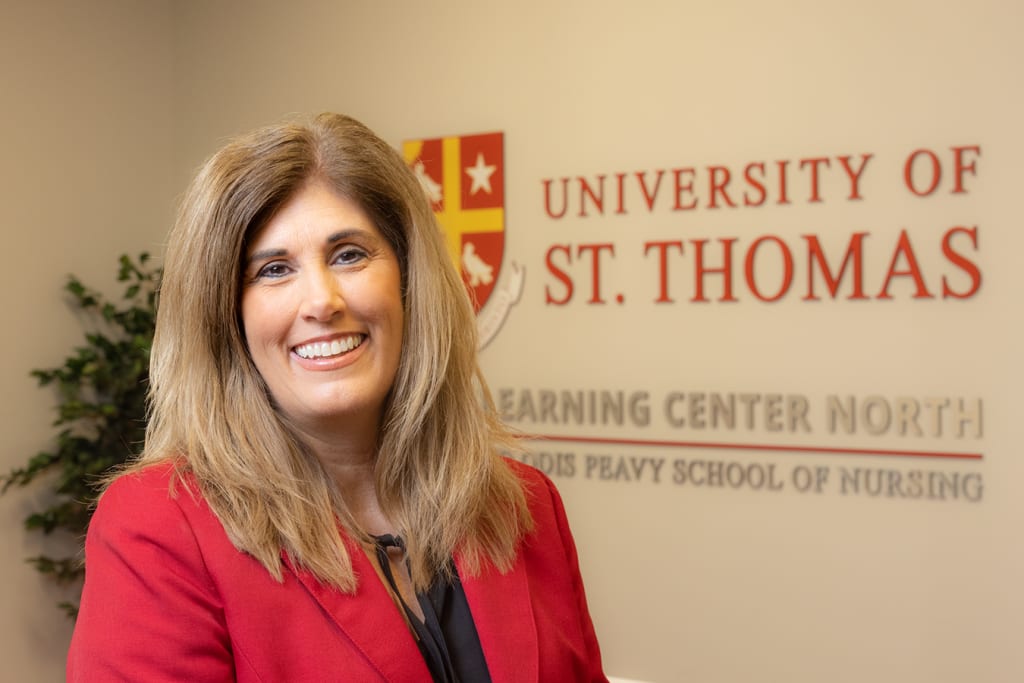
(101, 410)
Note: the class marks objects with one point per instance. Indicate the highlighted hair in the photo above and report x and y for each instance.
(439, 477)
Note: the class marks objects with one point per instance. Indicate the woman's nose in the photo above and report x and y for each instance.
(322, 297)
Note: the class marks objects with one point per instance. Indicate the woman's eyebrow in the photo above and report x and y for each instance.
(346, 234)
(265, 254)
(276, 252)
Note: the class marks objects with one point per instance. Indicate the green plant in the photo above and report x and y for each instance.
(101, 413)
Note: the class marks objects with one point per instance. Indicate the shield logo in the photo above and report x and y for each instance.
(464, 176)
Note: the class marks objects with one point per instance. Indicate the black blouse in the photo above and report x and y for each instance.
(446, 635)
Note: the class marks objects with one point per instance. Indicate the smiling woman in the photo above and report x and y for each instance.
(320, 496)
(322, 315)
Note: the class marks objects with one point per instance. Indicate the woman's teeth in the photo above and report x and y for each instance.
(331, 348)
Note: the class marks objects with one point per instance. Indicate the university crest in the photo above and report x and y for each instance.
(464, 177)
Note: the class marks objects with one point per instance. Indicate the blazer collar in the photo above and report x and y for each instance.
(369, 619)
(500, 603)
(503, 616)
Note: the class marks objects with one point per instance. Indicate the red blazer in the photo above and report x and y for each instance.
(167, 597)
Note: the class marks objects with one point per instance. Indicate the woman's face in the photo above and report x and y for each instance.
(322, 309)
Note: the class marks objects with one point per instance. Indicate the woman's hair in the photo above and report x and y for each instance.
(438, 473)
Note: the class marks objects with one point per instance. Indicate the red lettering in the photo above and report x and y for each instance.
(650, 195)
(596, 197)
(680, 188)
(547, 198)
(662, 247)
(854, 175)
(701, 270)
(961, 262)
(959, 166)
(595, 264)
(756, 184)
(904, 247)
(854, 254)
(719, 185)
(815, 197)
(787, 268)
(619, 183)
(783, 199)
(559, 274)
(908, 172)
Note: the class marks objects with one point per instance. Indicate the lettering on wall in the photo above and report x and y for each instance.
(710, 422)
(730, 440)
(766, 267)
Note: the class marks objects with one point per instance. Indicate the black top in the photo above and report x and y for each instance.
(446, 636)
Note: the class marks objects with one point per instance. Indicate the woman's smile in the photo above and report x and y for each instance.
(329, 349)
(322, 309)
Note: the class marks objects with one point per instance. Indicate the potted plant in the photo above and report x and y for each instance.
(101, 414)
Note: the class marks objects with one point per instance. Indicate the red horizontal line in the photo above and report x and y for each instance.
(753, 447)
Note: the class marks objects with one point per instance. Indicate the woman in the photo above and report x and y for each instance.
(320, 497)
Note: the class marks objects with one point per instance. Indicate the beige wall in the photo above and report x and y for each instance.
(86, 174)
(738, 587)
(711, 584)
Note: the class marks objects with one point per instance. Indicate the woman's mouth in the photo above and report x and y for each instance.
(329, 349)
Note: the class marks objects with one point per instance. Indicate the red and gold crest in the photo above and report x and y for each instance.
(464, 176)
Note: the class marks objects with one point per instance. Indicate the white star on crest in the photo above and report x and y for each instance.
(430, 186)
(481, 174)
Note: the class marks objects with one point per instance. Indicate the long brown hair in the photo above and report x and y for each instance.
(438, 473)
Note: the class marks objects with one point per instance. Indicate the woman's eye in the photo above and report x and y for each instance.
(272, 270)
(349, 255)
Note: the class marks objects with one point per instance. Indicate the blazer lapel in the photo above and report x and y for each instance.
(503, 616)
(369, 619)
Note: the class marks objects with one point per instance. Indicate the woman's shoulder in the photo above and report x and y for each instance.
(527, 473)
(155, 511)
(148, 495)
(540, 491)
(149, 481)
